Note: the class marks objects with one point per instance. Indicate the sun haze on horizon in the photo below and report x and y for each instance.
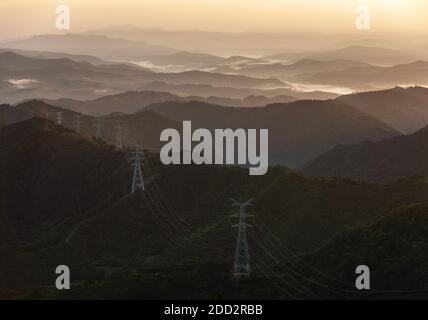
(25, 17)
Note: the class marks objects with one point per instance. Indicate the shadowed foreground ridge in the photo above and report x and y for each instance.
(74, 208)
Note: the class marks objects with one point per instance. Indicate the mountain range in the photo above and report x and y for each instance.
(368, 54)
(57, 55)
(394, 247)
(290, 143)
(142, 129)
(92, 224)
(200, 60)
(99, 46)
(206, 91)
(298, 131)
(304, 66)
(381, 56)
(130, 102)
(24, 77)
(363, 78)
(383, 161)
(347, 182)
(405, 109)
(297, 45)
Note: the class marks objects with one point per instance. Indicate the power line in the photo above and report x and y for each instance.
(175, 217)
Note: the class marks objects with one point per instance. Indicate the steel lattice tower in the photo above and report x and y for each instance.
(241, 263)
(137, 179)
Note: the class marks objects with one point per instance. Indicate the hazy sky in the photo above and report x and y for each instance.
(24, 17)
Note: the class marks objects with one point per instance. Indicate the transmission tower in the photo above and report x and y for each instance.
(59, 118)
(137, 179)
(241, 262)
(98, 124)
(76, 122)
(119, 140)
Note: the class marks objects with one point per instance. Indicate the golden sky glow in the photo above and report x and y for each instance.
(24, 17)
